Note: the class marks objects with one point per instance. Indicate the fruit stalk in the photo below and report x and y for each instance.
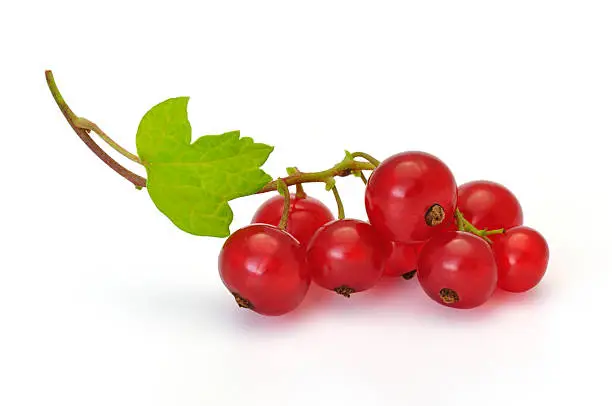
(284, 191)
(363, 178)
(344, 168)
(334, 190)
(299, 189)
(464, 225)
(367, 157)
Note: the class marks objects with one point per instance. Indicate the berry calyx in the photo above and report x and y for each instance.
(448, 296)
(457, 269)
(306, 215)
(410, 196)
(522, 258)
(242, 302)
(344, 291)
(265, 269)
(347, 256)
(435, 215)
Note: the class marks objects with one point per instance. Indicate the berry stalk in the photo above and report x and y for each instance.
(299, 189)
(284, 191)
(464, 225)
(367, 157)
(334, 190)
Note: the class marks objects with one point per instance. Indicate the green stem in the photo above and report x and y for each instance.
(460, 220)
(138, 181)
(344, 168)
(334, 190)
(363, 178)
(367, 157)
(299, 189)
(88, 125)
(495, 232)
(284, 191)
(464, 225)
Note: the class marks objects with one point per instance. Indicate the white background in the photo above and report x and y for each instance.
(104, 302)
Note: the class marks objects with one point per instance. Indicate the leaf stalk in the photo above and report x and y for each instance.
(138, 181)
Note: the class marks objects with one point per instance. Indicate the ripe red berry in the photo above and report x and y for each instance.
(265, 269)
(522, 257)
(403, 260)
(457, 269)
(410, 197)
(306, 215)
(489, 205)
(347, 256)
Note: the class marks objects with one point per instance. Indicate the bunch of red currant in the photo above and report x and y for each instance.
(461, 242)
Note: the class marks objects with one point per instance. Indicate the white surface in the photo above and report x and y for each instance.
(104, 302)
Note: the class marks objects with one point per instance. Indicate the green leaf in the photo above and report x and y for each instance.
(191, 183)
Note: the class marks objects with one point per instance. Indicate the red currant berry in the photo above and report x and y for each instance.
(403, 260)
(347, 256)
(265, 269)
(306, 215)
(410, 197)
(522, 257)
(489, 205)
(457, 269)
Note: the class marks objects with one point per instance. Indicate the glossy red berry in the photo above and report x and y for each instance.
(306, 215)
(457, 269)
(403, 260)
(265, 269)
(522, 258)
(410, 197)
(489, 205)
(347, 256)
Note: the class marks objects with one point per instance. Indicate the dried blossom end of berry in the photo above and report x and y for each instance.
(435, 215)
(242, 302)
(344, 291)
(449, 296)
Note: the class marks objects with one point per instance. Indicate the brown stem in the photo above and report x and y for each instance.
(138, 181)
(344, 168)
